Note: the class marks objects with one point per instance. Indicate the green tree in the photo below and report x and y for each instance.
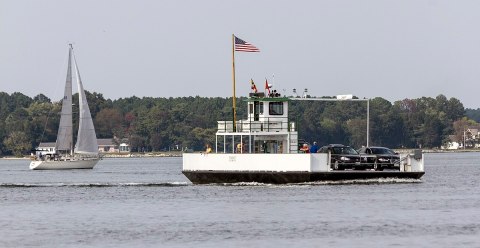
(473, 114)
(386, 125)
(108, 123)
(41, 98)
(18, 143)
(19, 100)
(357, 131)
(43, 121)
(18, 120)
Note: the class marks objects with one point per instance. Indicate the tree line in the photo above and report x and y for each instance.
(159, 124)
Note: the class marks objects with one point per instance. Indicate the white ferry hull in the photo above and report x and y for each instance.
(63, 164)
(282, 168)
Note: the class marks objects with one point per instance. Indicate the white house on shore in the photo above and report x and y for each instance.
(452, 144)
(469, 139)
(45, 148)
(104, 146)
(109, 146)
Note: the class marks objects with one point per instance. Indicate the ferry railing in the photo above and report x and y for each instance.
(407, 162)
(267, 124)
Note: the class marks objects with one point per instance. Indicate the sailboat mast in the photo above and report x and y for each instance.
(70, 68)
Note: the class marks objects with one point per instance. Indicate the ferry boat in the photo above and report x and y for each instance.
(264, 149)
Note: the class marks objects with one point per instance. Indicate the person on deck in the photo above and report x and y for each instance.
(304, 148)
(239, 148)
(209, 149)
(314, 148)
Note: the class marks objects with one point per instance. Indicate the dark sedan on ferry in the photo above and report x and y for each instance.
(380, 158)
(342, 157)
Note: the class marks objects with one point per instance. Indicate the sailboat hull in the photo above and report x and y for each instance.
(64, 164)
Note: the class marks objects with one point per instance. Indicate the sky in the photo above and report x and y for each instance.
(157, 48)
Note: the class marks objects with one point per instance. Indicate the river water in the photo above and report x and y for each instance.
(147, 202)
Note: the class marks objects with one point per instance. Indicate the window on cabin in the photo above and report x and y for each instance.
(275, 108)
(256, 110)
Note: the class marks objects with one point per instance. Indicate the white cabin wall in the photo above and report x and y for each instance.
(285, 109)
(409, 163)
(250, 162)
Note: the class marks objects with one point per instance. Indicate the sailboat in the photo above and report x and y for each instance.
(84, 155)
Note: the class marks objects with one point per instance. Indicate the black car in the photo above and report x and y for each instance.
(342, 157)
(380, 158)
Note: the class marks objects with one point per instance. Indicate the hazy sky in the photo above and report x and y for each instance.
(392, 49)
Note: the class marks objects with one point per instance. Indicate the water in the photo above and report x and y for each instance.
(147, 202)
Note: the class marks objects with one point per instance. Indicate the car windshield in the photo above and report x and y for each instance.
(380, 150)
(343, 150)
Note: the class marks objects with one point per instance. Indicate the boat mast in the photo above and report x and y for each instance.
(70, 68)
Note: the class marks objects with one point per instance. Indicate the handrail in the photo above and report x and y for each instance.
(267, 124)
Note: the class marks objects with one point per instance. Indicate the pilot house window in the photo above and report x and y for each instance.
(275, 108)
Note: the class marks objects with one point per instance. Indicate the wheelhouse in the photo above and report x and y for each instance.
(267, 128)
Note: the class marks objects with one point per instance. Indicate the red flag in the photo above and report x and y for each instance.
(254, 87)
(267, 87)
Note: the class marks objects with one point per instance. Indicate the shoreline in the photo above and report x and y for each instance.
(115, 155)
(180, 154)
(410, 150)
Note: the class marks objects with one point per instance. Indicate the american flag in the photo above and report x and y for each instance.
(243, 46)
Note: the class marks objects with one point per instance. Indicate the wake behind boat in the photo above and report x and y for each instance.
(85, 153)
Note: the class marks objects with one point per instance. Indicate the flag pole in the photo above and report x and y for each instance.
(233, 77)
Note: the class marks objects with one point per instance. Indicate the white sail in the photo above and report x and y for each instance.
(65, 131)
(85, 153)
(86, 138)
(86, 148)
